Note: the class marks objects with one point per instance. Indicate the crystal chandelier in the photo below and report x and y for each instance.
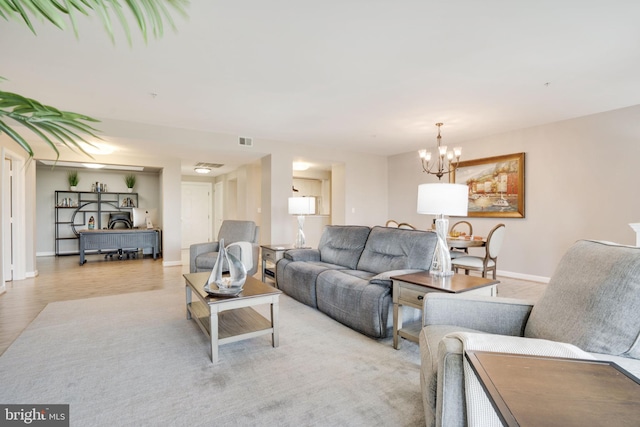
(445, 163)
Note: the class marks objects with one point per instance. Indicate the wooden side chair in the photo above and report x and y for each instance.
(460, 226)
(489, 261)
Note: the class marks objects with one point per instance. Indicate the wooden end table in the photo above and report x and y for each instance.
(270, 255)
(410, 289)
(231, 319)
(549, 391)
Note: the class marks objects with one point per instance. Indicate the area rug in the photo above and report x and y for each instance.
(134, 360)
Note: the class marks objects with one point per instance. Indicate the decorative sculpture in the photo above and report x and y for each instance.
(231, 284)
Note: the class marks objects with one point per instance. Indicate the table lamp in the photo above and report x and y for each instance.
(301, 206)
(442, 199)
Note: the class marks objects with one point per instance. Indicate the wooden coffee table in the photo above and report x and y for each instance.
(548, 391)
(410, 289)
(231, 319)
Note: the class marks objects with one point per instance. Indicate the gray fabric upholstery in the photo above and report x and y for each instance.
(343, 244)
(202, 256)
(441, 372)
(333, 278)
(599, 284)
(395, 249)
(354, 301)
(302, 255)
(592, 302)
(503, 316)
(298, 279)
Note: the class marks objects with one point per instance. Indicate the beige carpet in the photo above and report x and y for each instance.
(134, 360)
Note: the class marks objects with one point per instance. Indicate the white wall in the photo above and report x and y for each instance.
(581, 183)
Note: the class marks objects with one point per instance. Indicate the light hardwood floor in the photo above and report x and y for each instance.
(62, 278)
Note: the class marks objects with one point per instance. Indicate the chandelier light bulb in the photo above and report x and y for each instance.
(442, 166)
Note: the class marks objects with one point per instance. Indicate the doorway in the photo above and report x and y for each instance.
(196, 213)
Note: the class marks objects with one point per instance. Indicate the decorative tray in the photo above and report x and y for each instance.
(215, 291)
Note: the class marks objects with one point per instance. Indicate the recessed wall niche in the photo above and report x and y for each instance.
(314, 187)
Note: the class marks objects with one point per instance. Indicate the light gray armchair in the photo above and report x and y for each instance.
(202, 256)
(592, 302)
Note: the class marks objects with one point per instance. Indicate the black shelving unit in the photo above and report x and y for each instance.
(74, 208)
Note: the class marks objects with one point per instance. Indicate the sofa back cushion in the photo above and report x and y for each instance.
(343, 244)
(397, 249)
(592, 300)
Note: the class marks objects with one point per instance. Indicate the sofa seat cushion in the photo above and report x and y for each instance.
(298, 279)
(397, 249)
(593, 300)
(207, 260)
(364, 275)
(354, 301)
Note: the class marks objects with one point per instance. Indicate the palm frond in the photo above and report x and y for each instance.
(50, 124)
(148, 14)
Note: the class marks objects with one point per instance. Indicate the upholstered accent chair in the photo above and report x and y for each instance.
(240, 238)
(591, 304)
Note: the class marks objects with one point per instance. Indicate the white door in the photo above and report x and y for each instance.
(7, 224)
(196, 213)
(218, 206)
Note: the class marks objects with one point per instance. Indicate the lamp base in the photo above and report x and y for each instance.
(441, 263)
(300, 239)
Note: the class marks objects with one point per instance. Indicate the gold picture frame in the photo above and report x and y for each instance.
(496, 185)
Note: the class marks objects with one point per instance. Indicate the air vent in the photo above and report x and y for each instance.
(209, 165)
(247, 142)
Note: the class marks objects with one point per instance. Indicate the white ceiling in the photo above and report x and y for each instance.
(369, 75)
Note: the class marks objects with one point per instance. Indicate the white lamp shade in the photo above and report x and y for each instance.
(302, 205)
(443, 199)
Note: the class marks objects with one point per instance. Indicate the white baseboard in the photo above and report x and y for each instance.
(171, 263)
(45, 254)
(530, 277)
(31, 274)
(3, 288)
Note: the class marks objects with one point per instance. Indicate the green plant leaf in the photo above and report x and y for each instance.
(49, 123)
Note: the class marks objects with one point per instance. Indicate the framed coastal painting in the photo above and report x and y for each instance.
(496, 185)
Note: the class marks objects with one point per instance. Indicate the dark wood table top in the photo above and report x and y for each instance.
(451, 284)
(548, 391)
(252, 288)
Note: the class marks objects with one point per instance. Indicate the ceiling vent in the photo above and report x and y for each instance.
(245, 142)
(209, 165)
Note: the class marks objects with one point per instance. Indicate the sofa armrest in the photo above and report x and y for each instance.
(503, 316)
(200, 248)
(384, 278)
(302, 255)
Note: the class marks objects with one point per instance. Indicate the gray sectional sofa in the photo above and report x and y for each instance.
(348, 276)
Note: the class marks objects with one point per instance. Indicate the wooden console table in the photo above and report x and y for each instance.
(116, 239)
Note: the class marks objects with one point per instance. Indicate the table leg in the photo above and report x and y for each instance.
(213, 328)
(397, 324)
(275, 339)
(188, 296)
(264, 267)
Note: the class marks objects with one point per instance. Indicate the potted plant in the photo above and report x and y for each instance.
(73, 179)
(130, 181)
